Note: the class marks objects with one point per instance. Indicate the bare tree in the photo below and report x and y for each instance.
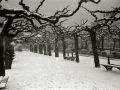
(78, 32)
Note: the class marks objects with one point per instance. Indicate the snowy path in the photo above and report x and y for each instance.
(32, 71)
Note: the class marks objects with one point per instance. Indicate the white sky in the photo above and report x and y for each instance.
(51, 6)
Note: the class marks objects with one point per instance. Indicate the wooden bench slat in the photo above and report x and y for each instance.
(112, 65)
(108, 65)
(115, 65)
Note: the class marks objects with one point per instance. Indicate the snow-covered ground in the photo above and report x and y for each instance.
(33, 71)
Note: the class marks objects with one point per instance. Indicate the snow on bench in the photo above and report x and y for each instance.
(3, 82)
(110, 66)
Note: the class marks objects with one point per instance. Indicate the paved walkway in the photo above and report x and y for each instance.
(32, 71)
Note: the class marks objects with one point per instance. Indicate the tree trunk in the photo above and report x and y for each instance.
(49, 50)
(44, 46)
(7, 25)
(94, 47)
(119, 39)
(64, 47)
(35, 48)
(10, 58)
(2, 49)
(2, 67)
(6, 59)
(76, 48)
(40, 49)
(56, 49)
(102, 43)
(31, 48)
(86, 45)
(114, 43)
(98, 44)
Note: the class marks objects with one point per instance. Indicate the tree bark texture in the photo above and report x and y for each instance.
(9, 52)
(35, 48)
(76, 48)
(31, 48)
(7, 25)
(44, 46)
(102, 43)
(40, 49)
(56, 49)
(119, 39)
(49, 50)
(2, 67)
(9, 56)
(114, 43)
(94, 47)
(64, 47)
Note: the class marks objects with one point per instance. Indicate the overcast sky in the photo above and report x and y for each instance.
(50, 6)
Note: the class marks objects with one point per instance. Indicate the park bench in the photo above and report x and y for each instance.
(110, 66)
(3, 82)
(70, 58)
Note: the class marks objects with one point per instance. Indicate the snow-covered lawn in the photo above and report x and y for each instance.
(33, 71)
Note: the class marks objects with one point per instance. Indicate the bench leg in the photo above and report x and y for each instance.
(64, 57)
(72, 59)
(108, 68)
(108, 60)
(118, 68)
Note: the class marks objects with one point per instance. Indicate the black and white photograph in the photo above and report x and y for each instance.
(59, 44)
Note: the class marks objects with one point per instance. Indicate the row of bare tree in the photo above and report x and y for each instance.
(13, 15)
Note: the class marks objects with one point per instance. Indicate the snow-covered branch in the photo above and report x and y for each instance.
(52, 19)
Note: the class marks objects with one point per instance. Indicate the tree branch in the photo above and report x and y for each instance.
(93, 1)
(41, 3)
(52, 19)
(23, 5)
(96, 18)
